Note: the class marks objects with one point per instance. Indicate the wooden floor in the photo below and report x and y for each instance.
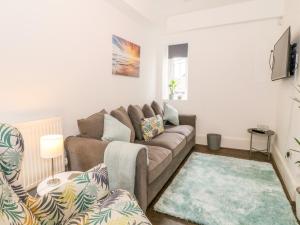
(162, 219)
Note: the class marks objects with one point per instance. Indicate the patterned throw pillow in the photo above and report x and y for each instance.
(152, 127)
(12, 210)
(75, 196)
(119, 208)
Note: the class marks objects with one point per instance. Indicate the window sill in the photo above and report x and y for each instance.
(175, 100)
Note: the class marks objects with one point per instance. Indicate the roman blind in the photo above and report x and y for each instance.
(178, 51)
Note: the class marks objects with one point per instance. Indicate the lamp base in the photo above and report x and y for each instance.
(53, 182)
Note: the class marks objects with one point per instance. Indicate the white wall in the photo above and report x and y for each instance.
(55, 60)
(230, 88)
(288, 113)
(230, 14)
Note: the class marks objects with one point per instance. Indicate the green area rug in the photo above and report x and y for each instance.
(218, 190)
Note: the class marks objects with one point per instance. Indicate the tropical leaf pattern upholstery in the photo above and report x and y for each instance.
(71, 198)
(11, 155)
(152, 127)
(118, 208)
(12, 210)
(84, 200)
(11, 152)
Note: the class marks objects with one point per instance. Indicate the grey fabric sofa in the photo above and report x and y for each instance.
(165, 152)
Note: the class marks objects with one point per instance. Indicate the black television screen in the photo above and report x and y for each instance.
(281, 56)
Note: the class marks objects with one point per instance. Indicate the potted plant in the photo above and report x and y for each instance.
(172, 88)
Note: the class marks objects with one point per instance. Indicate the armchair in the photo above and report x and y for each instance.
(84, 200)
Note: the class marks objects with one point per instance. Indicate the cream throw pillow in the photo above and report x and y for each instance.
(114, 130)
(171, 114)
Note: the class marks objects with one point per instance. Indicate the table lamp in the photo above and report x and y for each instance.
(51, 146)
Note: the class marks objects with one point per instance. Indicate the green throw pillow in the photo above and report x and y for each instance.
(114, 130)
(171, 114)
(152, 127)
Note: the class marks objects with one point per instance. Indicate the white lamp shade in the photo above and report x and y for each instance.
(51, 146)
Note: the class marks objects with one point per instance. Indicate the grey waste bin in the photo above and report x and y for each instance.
(213, 141)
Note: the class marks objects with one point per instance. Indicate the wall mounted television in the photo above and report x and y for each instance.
(281, 52)
(283, 57)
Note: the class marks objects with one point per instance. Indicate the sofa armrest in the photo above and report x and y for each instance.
(187, 120)
(141, 179)
(84, 153)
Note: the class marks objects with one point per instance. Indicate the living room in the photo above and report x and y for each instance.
(63, 77)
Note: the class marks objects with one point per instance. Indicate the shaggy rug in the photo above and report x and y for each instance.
(218, 190)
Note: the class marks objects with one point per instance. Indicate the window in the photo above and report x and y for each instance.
(177, 72)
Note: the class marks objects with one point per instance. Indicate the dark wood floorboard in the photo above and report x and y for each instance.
(162, 219)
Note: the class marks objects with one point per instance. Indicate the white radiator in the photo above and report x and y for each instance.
(34, 168)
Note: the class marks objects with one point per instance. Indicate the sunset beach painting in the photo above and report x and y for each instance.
(125, 58)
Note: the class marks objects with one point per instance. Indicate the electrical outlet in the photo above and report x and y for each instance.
(288, 155)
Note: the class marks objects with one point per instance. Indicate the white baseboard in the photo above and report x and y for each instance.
(285, 173)
(231, 142)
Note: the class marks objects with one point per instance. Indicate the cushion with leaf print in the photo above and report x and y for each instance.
(12, 210)
(118, 208)
(152, 127)
(75, 196)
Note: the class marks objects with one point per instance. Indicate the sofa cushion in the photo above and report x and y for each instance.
(172, 141)
(186, 130)
(84, 153)
(92, 127)
(171, 114)
(123, 117)
(114, 130)
(152, 127)
(157, 109)
(148, 111)
(136, 115)
(159, 159)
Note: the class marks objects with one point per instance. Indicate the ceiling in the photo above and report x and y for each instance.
(159, 10)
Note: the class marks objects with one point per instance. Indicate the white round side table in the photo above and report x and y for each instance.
(43, 188)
